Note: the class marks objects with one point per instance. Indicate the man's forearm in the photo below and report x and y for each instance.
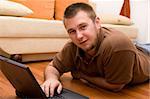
(51, 77)
(51, 72)
(101, 82)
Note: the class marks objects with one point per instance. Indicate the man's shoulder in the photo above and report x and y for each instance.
(116, 40)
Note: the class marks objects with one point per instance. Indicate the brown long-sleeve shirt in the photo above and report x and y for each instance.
(117, 59)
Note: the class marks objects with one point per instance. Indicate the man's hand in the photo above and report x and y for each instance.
(50, 85)
(52, 82)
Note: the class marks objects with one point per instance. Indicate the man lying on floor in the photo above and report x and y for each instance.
(104, 57)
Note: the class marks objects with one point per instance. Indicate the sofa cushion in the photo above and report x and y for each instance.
(131, 31)
(31, 49)
(31, 27)
(21, 27)
(60, 6)
(32, 45)
(42, 8)
(14, 9)
(115, 19)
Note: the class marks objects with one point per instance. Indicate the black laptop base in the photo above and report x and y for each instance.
(56, 95)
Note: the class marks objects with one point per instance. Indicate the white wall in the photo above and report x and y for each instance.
(139, 14)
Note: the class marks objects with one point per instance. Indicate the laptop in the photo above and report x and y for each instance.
(22, 79)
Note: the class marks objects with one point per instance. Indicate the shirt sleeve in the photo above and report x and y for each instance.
(64, 60)
(119, 68)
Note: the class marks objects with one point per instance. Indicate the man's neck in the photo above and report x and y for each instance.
(91, 52)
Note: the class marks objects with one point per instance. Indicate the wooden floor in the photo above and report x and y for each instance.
(141, 91)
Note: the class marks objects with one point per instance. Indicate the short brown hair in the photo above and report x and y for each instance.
(73, 9)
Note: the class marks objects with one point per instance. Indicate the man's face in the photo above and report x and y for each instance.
(82, 30)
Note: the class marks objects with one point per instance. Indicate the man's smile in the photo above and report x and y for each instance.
(82, 42)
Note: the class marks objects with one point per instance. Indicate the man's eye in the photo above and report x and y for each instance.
(72, 32)
(83, 27)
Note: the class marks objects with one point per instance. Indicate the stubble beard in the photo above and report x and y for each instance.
(90, 48)
(93, 46)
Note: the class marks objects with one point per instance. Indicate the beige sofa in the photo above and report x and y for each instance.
(30, 39)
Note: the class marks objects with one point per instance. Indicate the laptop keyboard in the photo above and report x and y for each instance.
(58, 96)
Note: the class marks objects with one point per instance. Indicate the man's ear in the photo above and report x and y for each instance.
(97, 22)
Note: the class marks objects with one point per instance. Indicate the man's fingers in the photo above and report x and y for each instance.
(59, 89)
(47, 90)
(42, 86)
(52, 91)
(49, 87)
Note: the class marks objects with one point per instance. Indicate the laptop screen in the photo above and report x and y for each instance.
(20, 77)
